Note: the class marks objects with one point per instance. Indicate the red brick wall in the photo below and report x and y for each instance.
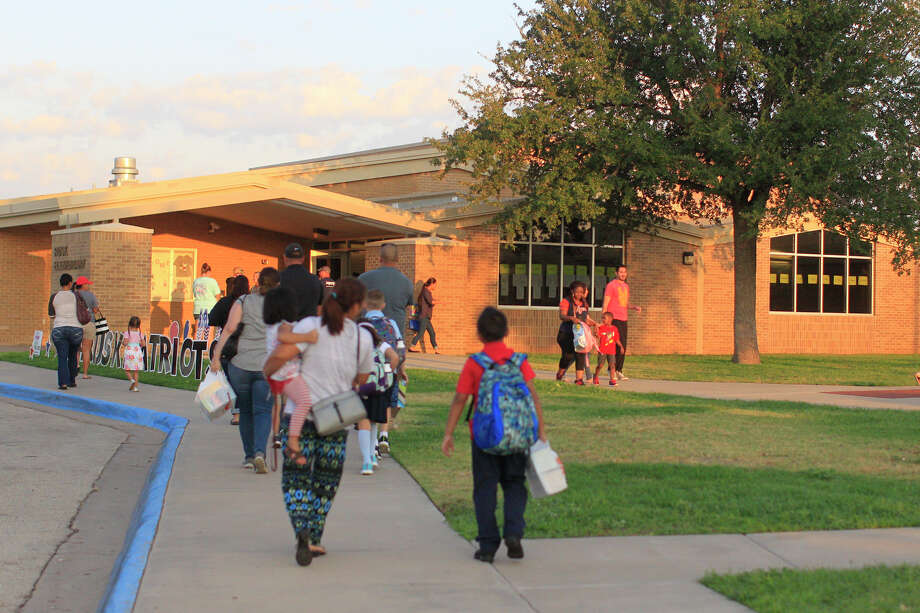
(231, 246)
(25, 276)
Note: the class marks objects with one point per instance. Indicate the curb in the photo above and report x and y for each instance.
(128, 570)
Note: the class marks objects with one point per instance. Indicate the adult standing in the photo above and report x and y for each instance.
(426, 304)
(616, 302)
(396, 287)
(205, 291)
(66, 332)
(236, 287)
(245, 371)
(305, 285)
(89, 330)
(340, 360)
(325, 275)
(573, 309)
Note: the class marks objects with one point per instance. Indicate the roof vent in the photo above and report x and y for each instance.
(125, 171)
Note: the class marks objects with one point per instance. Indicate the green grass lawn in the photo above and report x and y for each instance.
(779, 368)
(868, 590)
(660, 464)
(146, 378)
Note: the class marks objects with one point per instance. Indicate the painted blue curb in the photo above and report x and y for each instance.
(125, 580)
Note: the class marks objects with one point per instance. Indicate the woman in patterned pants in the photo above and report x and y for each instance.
(340, 359)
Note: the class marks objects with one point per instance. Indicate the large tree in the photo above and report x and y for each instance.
(761, 112)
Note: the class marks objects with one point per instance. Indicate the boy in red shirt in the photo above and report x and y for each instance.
(490, 470)
(608, 339)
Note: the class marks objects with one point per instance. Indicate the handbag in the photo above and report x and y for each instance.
(83, 314)
(233, 342)
(341, 410)
(102, 324)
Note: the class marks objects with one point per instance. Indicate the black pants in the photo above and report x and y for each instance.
(490, 471)
(621, 355)
(570, 356)
(424, 323)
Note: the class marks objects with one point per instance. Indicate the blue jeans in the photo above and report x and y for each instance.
(255, 406)
(67, 341)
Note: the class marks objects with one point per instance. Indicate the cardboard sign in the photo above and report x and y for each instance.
(36, 348)
(166, 355)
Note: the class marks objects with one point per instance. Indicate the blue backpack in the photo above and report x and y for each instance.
(505, 420)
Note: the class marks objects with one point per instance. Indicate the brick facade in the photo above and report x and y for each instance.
(25, 275)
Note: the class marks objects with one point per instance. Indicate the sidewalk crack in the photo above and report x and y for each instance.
(770, 551)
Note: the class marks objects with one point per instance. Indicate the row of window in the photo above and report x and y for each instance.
(820, 272)
(537, 271)
(810, 272)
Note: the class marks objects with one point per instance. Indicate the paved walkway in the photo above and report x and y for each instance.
(814, 394)
(224, 543)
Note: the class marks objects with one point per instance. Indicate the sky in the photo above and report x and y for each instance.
(202, 87)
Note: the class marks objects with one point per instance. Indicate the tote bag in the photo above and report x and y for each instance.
(341, 410)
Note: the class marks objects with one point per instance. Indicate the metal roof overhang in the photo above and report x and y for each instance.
(265, 203)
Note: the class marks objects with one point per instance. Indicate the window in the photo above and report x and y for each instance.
(172, 273)
(820, 272)
(535, 272)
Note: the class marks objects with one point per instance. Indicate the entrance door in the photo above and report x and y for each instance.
(334, 261)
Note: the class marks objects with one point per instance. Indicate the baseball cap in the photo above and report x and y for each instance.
(294, 250)
(81, 280)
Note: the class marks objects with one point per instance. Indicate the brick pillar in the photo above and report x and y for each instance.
(25, 276)
(116, 258)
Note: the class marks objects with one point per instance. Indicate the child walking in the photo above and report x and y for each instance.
(376, 401)
(389, 332)
(490, 470)
(608, 339)
(280, 313)
(134, 353)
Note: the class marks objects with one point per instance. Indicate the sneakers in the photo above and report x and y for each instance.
(560, 375)
(383, 444)
(515, 551)
(579, 381)
(613, 382)
(367, 468)
(375, 460)
(621, 376)
(247, 464)
(596, 380)
(259, 464)
(484, 556)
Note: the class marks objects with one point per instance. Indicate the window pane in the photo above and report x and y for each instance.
(542, 235)
(576, 265)
(785, 244)
(606, 234)
(781, 285)
(545, 276)
(859, 282)
(810, 242)
(833, 280)
(862, 248)
(579, 232)
(807, 287)
(512, 275)
(834, 244)
(606, 260)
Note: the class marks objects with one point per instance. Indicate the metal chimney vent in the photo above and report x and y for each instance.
(125, 171)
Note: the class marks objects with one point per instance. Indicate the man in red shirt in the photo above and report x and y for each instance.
(616, 301)
(491, 470)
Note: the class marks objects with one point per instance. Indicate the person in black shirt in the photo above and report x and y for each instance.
(325, 275)
(305, 285)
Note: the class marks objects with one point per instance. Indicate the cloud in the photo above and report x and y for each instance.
(76, 122)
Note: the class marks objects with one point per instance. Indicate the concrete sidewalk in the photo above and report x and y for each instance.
(224, 543)
(813, 394)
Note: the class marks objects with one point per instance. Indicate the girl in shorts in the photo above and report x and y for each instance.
(280, 313)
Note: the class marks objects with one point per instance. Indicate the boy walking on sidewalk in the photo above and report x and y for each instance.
(499, 464)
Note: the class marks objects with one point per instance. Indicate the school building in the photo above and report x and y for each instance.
(142, 243)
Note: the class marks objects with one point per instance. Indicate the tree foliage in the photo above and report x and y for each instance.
(644, 110)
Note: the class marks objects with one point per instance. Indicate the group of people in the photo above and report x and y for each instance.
(75, 311)
(609, 336)
(299, 335)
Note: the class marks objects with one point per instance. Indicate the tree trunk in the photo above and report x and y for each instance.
(745, 240)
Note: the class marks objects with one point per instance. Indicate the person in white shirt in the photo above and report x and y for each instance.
(340, 360)
(66, 333)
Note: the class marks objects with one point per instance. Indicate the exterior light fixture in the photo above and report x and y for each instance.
(688, 258)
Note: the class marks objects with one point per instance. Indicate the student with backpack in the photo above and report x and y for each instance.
(497, 378)
(388, 331)
(375, 394)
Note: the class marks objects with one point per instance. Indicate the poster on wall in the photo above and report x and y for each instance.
(172, 273)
